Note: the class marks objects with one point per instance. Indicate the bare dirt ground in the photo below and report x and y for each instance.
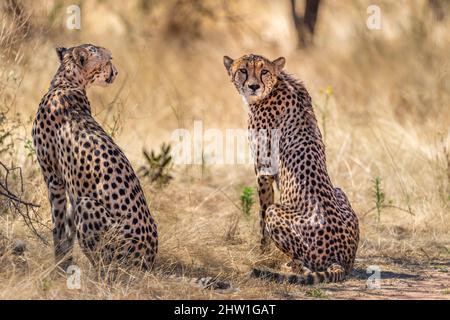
(400, 279)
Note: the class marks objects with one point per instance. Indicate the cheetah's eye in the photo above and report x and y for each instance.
(264, 72)
(244, 71)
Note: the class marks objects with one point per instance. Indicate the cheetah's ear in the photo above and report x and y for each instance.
(60, 51)
(80, 55)
(279, 63)
(227, 62)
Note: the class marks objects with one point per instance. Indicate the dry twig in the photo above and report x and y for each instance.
(13, 201)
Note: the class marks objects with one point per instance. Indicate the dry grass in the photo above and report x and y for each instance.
(388, 117)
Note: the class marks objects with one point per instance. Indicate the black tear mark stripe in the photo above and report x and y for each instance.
(263, 85)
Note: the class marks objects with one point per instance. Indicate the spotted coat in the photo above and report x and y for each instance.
(314, 223)
(108, 211)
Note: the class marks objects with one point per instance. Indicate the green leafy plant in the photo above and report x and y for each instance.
(379, 196)
(158, 165)
(317, 293)
(46, 284)
(381, 202)
(29, 147)
(247, 200)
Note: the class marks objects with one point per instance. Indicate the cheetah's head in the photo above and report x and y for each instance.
(89, 63)
(254, 76)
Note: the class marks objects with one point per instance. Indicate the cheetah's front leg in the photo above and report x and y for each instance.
(266, 199)
(63, 225)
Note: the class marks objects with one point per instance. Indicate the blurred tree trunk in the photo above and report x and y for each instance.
(305, 25)
(437, 7)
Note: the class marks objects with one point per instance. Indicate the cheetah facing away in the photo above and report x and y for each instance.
(108, 211)
(314, 223)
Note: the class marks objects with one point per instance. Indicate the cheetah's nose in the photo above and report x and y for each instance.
(254, 87)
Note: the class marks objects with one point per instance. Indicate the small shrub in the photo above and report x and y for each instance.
(247, 200)
(316, 293)
(29, 148)
(379, 196)
(381, 203)
(158, 165)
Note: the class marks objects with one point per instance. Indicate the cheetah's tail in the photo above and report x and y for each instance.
(335, 274)
(213, 283)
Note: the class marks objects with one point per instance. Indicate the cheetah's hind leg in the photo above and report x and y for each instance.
(95, 232)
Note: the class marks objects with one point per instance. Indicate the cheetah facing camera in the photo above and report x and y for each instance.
(314, 223)
(108, 211)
